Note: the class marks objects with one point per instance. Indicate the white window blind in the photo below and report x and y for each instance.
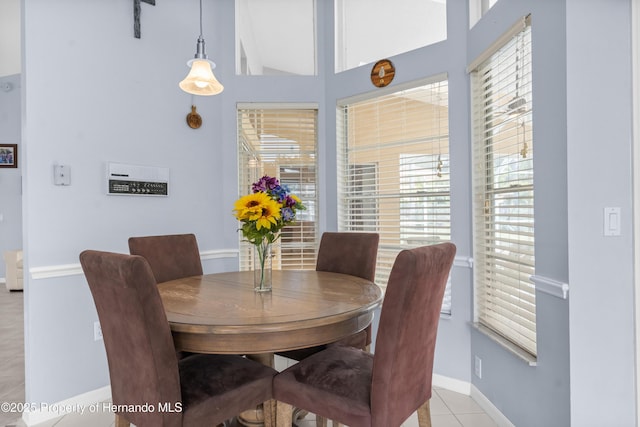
(504, 193)
(393, 170)
(281, 141)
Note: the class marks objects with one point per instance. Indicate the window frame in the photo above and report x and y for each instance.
(427, 143)
(503, 188)
(297, 246)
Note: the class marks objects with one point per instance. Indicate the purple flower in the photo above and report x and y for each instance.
(265, 184)
(287, 214)
(289, 201)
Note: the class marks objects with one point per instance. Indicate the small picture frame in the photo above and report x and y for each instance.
(8, 155)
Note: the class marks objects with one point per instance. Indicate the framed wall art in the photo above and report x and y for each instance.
(8, 155)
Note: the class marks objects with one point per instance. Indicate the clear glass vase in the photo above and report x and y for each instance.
(262, 267)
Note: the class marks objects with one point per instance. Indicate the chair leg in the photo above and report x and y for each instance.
(284, 414)
(268, 411)
(321, 421)
(336, 424)
(424, 415)
(122, 421)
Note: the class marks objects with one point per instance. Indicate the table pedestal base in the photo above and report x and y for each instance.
(255, 417)
(252, 417)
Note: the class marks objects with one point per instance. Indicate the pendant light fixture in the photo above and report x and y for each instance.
(200, 80)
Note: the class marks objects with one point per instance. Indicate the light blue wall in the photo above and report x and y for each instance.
(582, 119)
(10, 179)
(95, 94)
(599, 148)
(536, 395)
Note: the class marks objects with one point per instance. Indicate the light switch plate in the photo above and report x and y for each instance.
(61, 175)
(611, 221)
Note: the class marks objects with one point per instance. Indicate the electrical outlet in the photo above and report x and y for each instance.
(478, 367)
(97, 331)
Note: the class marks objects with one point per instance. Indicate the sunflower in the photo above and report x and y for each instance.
(260, 208)
(269, 216)
(249, 208)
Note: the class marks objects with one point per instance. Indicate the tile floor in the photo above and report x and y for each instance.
(11, 350)
(448, 409)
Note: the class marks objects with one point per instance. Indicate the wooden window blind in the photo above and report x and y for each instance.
(281, 141)
(503, 187)
(393, 170)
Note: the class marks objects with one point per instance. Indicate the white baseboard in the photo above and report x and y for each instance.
(451, 384)
(490, 408)
(86, 402)
(469, 389)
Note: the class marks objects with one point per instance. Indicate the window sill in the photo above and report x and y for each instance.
(507, 345)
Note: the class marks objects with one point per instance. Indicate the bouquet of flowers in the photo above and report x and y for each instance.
(264, 212)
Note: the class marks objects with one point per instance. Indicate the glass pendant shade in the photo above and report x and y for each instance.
(200, 80)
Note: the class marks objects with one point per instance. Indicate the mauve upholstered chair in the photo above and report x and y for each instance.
(143, 367)
(359, 389)
(172, 256)
(347, 253)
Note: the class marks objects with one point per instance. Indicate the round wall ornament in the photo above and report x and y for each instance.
(193, 118)
(382, 73)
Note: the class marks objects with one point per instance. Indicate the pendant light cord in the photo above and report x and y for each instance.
(201, 19)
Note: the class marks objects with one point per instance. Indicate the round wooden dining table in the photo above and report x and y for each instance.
(221, 313)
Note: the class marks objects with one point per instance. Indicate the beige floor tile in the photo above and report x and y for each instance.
(412, 421)
(445, 421)
(438, 406)
(49, 423)
(476, 420)
(459, 403)
(97, 419)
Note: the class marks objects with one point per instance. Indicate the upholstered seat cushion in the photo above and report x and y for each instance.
(334, 381)
(225, 381)
(357, 340)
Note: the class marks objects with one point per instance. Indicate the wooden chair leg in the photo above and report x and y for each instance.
(284, 414)
(268, 412)
(122, 421)
(336, 424)
(424, 415)
(321, 421)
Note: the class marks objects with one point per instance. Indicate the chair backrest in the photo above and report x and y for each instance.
(348, 253)
(406, 340)
(170, 256)
(143, 367)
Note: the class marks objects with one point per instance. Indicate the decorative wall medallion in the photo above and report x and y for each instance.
(193, 118)
(382, 73)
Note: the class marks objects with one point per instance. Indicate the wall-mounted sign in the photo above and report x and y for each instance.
(132, 180)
